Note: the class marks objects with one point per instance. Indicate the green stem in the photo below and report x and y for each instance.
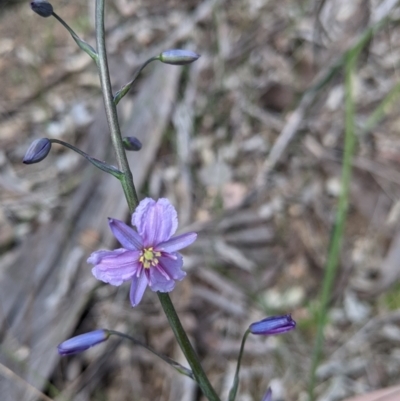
(235, 385)
(98, 163)
(126, 88)
(335, 245)
(111, 110)
(81, 43)
(181, 369)
(186, 347)
(348, 59)
(382, 109)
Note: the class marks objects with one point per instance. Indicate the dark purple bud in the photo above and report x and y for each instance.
(267, 395)
(82, 342)
(132, 143)
(42, 7)
(38, 150)
(273, 325)
(178, 57)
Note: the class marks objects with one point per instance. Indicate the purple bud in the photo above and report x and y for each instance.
(178, 57)
(38, 150)
(42, 7)
(132, 143)
(273, 325)
(267, 395)
(83, 342)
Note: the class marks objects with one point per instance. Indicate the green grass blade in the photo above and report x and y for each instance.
(336, 241)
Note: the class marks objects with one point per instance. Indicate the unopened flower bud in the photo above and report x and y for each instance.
(83, 342)
(273, 325)
(38, 150)
(131, 143)
(267, 395)
(42, 7)
(178, 57)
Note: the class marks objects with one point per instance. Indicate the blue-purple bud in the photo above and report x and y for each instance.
(38, 150)
(42, 7)
(178, 57)
(83, 342)
(273, 325)
(131, 143)
(267, 395)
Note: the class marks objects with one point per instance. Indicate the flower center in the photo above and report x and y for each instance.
(149, 257)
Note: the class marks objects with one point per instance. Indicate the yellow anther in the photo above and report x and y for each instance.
(149, 258)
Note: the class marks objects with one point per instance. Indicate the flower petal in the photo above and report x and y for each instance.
(125, 235)
(138, 286)
(95, 257)
(177, 243)
(115, 267)
(158, 282)
(173, 266)
(156, 222)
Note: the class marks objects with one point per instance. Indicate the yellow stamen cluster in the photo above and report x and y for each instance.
(149, 257)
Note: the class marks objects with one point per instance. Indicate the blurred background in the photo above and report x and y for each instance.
(247, 143)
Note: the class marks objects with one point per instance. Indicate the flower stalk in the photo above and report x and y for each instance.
(111, 110)
(80, 42)
(127, 87)
(83, 342)
(177, 366)
(98, 163)
(173, 57)
(235, 385)
(132, 199)
(187, 347)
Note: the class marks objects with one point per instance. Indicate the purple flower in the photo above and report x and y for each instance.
(148, 256)
(273, 325)
(82, 342)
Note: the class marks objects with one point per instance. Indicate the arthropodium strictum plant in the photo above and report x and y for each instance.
(149, 255)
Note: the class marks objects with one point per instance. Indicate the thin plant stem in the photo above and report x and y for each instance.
(187, 347)
(98, 163)
(232, 393)
(181, 369)
(382, 109)
(80, 42)
(126, 88)
(111, 110)
(349, 61)
(341, 214)
(131, 197)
